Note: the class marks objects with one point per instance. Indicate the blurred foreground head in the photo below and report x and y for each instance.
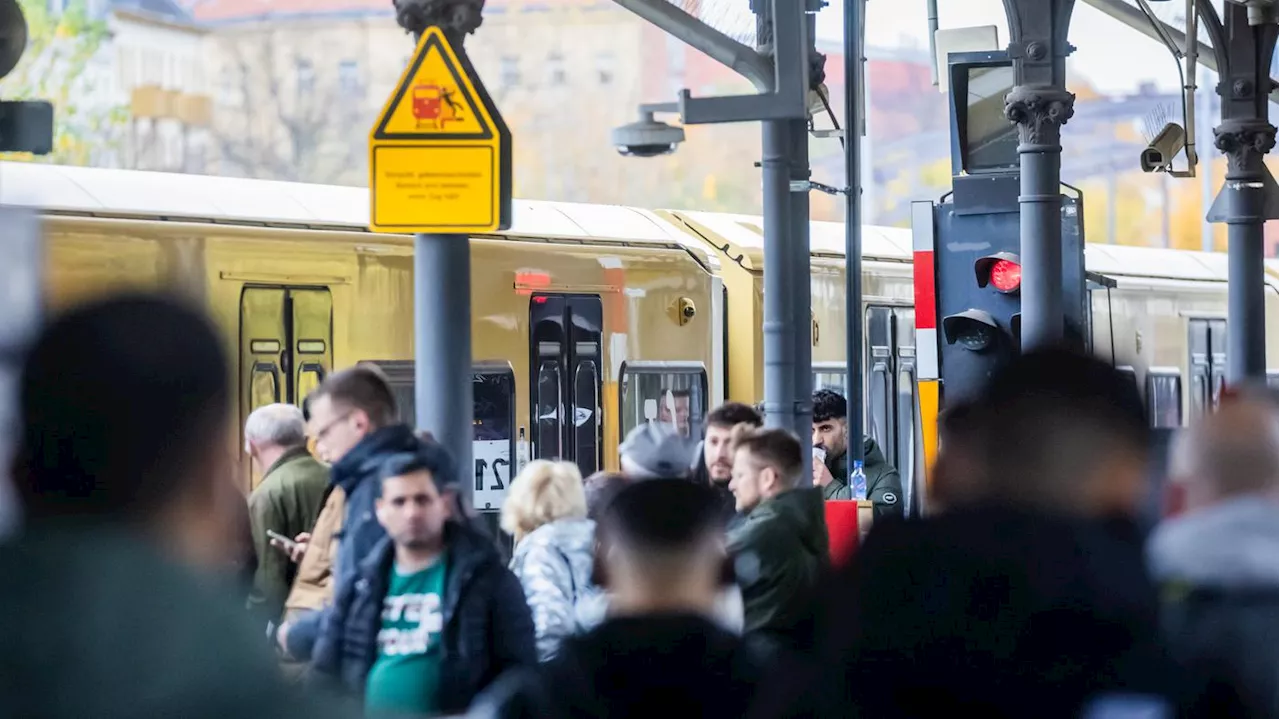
(1234, 452)
(124, 405)
(662, 547)
(1058, 431)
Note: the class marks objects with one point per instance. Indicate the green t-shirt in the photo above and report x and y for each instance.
(405, 678)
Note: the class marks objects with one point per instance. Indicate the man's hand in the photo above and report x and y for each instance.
(821, 475)
(295, 550)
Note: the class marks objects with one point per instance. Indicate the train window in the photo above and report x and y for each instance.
(310, 375)
(493, 393)
(1207, 347)
(830, 375)
(264, 346)
(493, 388)
(547, 405)
(264, 385)
(670, 392)
(1164, 397)
(311, 347)
(586, 412)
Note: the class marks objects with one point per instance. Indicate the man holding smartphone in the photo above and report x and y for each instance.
(286, 502)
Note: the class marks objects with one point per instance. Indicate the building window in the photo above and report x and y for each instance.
(510, 71)
(606, 66)
(555, 69)
(306, 77)
(349, 78)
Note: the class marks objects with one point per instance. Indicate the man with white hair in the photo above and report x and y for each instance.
(1219, 561)
(286, 502)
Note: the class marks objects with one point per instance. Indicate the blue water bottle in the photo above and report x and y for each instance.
(859, 487)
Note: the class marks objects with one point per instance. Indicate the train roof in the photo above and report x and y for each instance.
(741, 237)
(133, 194)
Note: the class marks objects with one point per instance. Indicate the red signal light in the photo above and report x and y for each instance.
(1006, 276)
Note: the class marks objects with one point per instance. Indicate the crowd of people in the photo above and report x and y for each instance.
(353, 581)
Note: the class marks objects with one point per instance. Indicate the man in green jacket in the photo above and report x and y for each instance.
(831, 432)
(287, 501)
(779, 545)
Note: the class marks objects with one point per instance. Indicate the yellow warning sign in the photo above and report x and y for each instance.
(440, 153)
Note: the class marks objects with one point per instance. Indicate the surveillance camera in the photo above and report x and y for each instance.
(647, 138)
(1158, 157)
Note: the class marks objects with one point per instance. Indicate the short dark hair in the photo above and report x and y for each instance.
(776, 448)
(118, 397)
(662, 516)
(829, 404)
(732, 414)
(1054, 401)
(601, 488)
(363, 388)
(428, 456)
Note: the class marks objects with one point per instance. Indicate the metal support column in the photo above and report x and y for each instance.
(1246, 303)
(1040, 105)
(779, 287)
(853, 23)
(801, 301)
(1243, 42)
(442, 346)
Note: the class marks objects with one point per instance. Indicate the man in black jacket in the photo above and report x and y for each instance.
(659, 654)
(432, 615)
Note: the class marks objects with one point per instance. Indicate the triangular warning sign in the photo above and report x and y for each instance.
(435, 99)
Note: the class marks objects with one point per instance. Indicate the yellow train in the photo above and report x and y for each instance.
(586, 320)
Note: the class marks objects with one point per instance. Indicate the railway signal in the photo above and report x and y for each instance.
(969, 263)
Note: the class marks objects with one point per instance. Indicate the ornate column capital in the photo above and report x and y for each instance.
(457, 18)
(1040, 111)
(1244, 141)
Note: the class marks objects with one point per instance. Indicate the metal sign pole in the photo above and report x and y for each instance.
(853, 21)
(440, 168)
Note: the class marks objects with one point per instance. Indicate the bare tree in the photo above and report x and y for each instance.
(296, 120)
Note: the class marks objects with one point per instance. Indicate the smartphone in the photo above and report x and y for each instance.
(289, 544)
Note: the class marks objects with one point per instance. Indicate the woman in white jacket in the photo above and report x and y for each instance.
(546, 513)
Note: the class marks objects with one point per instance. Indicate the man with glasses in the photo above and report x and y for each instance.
(353, 420)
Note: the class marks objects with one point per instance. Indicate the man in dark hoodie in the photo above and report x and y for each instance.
(831, 432)
(780, 544)
(662, 558)
(353, 420)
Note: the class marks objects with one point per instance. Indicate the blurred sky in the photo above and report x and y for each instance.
(1111, 56)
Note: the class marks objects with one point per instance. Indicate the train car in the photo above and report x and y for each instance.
(586, 320)
(1158, 314)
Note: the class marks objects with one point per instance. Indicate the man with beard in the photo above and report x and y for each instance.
(715, 454)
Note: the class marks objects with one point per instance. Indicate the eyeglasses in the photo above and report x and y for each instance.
(320, 433)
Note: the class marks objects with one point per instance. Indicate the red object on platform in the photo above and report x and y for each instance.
(842, 529)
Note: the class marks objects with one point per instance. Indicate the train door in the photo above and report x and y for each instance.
(1207, 363)
(565, 366)
(286, 345)
(891, 382)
